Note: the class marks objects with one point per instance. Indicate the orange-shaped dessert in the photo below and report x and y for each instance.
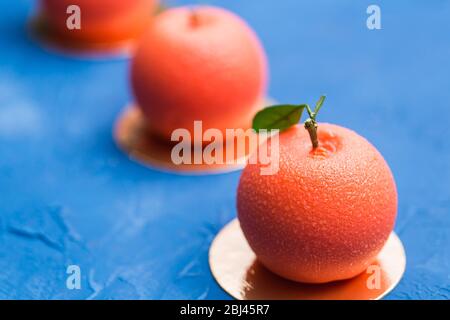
(102, 21)
(327, 212)
(201, 63)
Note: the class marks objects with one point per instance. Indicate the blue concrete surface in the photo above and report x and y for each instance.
(69, 196)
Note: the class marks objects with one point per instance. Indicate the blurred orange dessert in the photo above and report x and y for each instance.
(102, 21)
(201, 63)
(328, 211)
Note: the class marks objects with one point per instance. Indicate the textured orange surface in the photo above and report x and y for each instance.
(199, 64)
(101, 20)
(326, 214)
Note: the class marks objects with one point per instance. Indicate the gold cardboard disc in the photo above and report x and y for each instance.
(236, 269)
(133, 136)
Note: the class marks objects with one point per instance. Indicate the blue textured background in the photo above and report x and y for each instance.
(68, 196)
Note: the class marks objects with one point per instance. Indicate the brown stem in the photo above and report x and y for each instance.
(311, 126)
(194, 19)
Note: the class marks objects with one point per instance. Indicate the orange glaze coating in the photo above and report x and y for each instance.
(326, 214)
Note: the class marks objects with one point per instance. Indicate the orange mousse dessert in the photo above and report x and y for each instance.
(102, 21)
(199, 64)
(328, 211)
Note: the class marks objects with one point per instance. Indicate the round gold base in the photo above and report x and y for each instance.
(237, 271)
(134, 137)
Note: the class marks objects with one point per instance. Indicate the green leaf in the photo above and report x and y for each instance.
(279, 117)
(319, 104)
